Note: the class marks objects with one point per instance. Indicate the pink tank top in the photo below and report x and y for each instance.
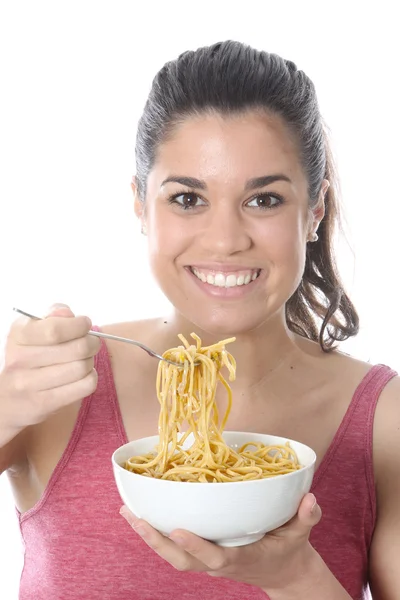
(77, 546)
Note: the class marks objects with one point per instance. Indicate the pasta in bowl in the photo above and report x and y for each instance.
(230, 513)
(227, 487)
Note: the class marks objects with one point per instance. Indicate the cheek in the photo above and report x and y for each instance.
(291, 245)
(285, 251)
(168, 237)
(283, 238)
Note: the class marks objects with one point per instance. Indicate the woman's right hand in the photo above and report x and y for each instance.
(48, 364)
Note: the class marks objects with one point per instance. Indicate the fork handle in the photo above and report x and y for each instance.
(108, 336)
(117, 338)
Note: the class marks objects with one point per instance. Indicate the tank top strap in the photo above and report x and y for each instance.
(359, 418)
(96, 414)
(353, 440)
(368, 392)
(104, 402)
(99, 427)
(367, 396)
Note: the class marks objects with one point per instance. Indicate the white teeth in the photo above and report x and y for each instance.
(231, 281)
(220, 280)
(227, 281)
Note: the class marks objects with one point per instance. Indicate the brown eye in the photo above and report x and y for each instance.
(187, 201)
(265, 201)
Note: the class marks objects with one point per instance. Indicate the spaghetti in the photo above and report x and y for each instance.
(187, 397)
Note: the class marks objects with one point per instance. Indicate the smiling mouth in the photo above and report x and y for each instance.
(226, 280)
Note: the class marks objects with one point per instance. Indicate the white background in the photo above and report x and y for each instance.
(74, 78)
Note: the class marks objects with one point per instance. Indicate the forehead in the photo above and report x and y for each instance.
(228, 148)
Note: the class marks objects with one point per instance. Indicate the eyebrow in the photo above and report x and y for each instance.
(251, 184)
(191, 182)
(259, 182)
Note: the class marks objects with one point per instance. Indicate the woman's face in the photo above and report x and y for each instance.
(227, 220)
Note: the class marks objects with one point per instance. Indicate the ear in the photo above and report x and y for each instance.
(318, 212)
(138, 205)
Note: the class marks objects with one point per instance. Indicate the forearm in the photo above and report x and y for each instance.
(7, 432)
(9, 442)
(316, 583)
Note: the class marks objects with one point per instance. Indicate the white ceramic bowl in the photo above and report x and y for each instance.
(229, 514)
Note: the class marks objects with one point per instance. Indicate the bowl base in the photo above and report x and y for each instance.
(234, 542)
(242, 541)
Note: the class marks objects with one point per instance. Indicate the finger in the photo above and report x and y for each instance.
(49, 331)
(215, 558)
(29, 357)
(47, 378)
(164, 547)
(50, 400)
(60, 375)
(59, 310)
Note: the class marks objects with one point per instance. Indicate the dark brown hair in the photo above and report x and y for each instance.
(231, 78)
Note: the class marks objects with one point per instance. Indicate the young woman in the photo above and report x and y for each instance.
(235, 189)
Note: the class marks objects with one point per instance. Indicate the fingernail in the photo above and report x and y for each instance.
(56, 306)
(138, 527)
(124, 512)
(134, 523)
(177, 538)
(314, 505)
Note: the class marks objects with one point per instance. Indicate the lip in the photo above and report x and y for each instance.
(226, 293)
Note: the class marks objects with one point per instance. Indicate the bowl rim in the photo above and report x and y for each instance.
(309, 466)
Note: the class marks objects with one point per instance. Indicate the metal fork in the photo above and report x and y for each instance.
(108, 336)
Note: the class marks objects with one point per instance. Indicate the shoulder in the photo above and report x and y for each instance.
(384, 552)
(335, 373)
(386, 439)
(345, 374)
(386, 424)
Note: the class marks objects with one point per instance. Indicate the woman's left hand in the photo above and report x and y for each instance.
(281, 555)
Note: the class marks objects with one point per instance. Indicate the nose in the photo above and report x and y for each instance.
(225, 232)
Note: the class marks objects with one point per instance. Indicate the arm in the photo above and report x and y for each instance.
(12, 453)
(47, 365)
(384, 568)
(12, 447)
(318, 583)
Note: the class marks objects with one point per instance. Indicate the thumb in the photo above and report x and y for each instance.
(59, 310)
(309, 513)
